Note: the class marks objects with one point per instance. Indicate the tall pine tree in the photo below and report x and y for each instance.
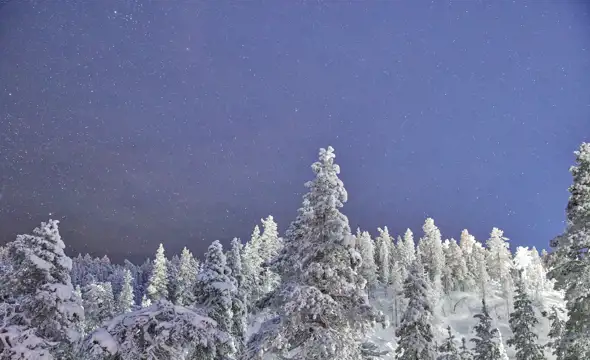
(448, 349)
(571, 263)
(322, 306)
(415, 338)
(522, 322)
(215, 293)
(40, 279)
(158, 284)
(486, 337)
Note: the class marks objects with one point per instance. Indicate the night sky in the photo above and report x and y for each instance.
(182, 122)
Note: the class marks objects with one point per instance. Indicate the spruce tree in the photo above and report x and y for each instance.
(187, 275)
(40, 279)
(522, 322)
(145, 301)
(431, 251)
(415, 337)
(215, 293)
(239, 300)
(158, 284)
(99, 304)
(570, 261)
(556, 331)
(323, 311)
(482, 277)
(448, 349)
(464, 352)
(368, 269)
(500, 263)
(382, 255)
(486, 337)
(270, 245)
(252, 268)
(461, 279)
(125, 301)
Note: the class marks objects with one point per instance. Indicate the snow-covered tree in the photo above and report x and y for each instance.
(160, 331)
(270, 245)
(322, 308)
(415, 337)
(464, 352)
(187, 275)
(556, 331)
(172, 268)
(216, 289)
(486, 337)
(368, 268)
(448, 349)
(99, 304)
(406, 252)
(125, 300)
(459, 275)
(239, 300)
(571, 263)
(251, 263)
(158, 285)
(382, 251)
(529, 263)
(522, 322)
(40, 279)
(145, 301)
(431, 252)
(500, 263)
(481, 277)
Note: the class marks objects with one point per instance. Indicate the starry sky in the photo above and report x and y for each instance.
(182, 122)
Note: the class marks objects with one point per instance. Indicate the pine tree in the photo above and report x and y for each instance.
(172, 268)
(145, 301)
(322, 308)
(467, 244)
(99, 304)
(406, 252)
(556, 331)
(368, 267)
(216, 290)
(251, 264)
(239, 301)
(522, 322)
(448, 349)
(481, 273)
(187, 275)
(415, 337)
(464, 353)
(486, 337)
(382, 255)
(460, 278)
(431, 251)
(397, 285)
(270, 245)
(125, 301)
(500, 263)
(40, 279)
(571, 263)
(158, 285)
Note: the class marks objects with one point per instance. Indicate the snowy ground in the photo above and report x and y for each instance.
(458, 309)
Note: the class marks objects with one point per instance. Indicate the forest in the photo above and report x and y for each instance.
(319, 291)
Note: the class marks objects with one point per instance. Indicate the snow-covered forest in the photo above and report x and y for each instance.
(319, 291)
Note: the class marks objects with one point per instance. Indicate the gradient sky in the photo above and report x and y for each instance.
(183, 122)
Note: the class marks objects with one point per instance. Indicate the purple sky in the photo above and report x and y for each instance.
(182, 122)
